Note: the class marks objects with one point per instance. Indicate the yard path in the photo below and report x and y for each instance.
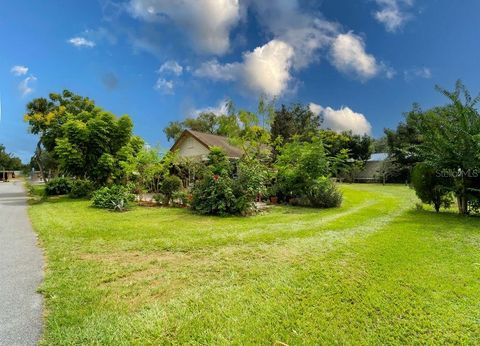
(21, 270)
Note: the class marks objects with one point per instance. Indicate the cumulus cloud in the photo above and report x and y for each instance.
(164, 86)
(417, 72)
(393, 14)
(171, 66)
(348, 55)
(220, 109)
(25, 85)
(264, 70)
(81, 42)
(305, 32)
(19, 70)
(343, 119)
(206, 22)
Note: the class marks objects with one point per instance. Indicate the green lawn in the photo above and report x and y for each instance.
(373, 272)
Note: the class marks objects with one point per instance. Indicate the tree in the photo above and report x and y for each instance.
(430, 187)
(296, 120)
(403, 143)
(85, 140)
(299, 164)
(9, 161)
(451, 143)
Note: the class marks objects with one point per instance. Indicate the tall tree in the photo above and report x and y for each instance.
(295, 120)
(85, 140)
(451, 143)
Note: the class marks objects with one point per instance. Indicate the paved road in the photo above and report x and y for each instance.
(21, 271)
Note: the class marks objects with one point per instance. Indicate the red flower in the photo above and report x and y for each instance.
(215, 177)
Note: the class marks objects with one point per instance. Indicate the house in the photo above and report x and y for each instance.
(194, 144)
(372, 172)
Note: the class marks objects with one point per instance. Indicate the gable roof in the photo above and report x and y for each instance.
(209, 141)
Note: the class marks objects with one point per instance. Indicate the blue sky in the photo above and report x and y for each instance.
(361, 63)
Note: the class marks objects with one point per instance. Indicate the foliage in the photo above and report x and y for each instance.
(219, 193)
(359, 147)
(403, 143)
(115, 197)
(84, 140)
(431, 188)
(294, 121)
(214, 195)
(299, 165)
(303, 171)
(323, 193)
(9, 161)
(148, 168)
(58, 186)
(81, 188)
(169, 186)
(450, 143)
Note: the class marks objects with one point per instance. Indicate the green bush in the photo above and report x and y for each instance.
(181, 198)
(170, 185)
(116, 197)
(81, 189)
(218, 193)
(214, 195)
(430, 188)
(323, 193)
(58, 186)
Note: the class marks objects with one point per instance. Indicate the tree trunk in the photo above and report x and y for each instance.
(38, 158)
(462, 205)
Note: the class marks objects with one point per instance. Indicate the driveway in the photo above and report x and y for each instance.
(21, 270)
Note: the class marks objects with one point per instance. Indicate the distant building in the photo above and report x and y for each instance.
(194, 144)
(372, 172)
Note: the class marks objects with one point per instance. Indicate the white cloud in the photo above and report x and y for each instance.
(25, 85)
(164, 86)
(19, 70)
(206, 22)
(417, 72)
(343, 119)
(220, 109)
(393, 13)
(171, 66)
(81, 42)
(348, 55)
(214, 70)
(305, 32)
(265, 70)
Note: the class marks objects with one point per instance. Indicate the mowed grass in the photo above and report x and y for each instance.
(373, 272)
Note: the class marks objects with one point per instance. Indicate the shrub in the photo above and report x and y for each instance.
(116, 197)
(430, 188)
(323, 193)
(81, 189)
(214, 195)
(170, 185)
(181, 198)
(218, 193)
(58, 186)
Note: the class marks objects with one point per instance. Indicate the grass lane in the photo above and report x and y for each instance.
(370, 272)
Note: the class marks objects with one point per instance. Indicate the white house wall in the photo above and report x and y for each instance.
(190, 147)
